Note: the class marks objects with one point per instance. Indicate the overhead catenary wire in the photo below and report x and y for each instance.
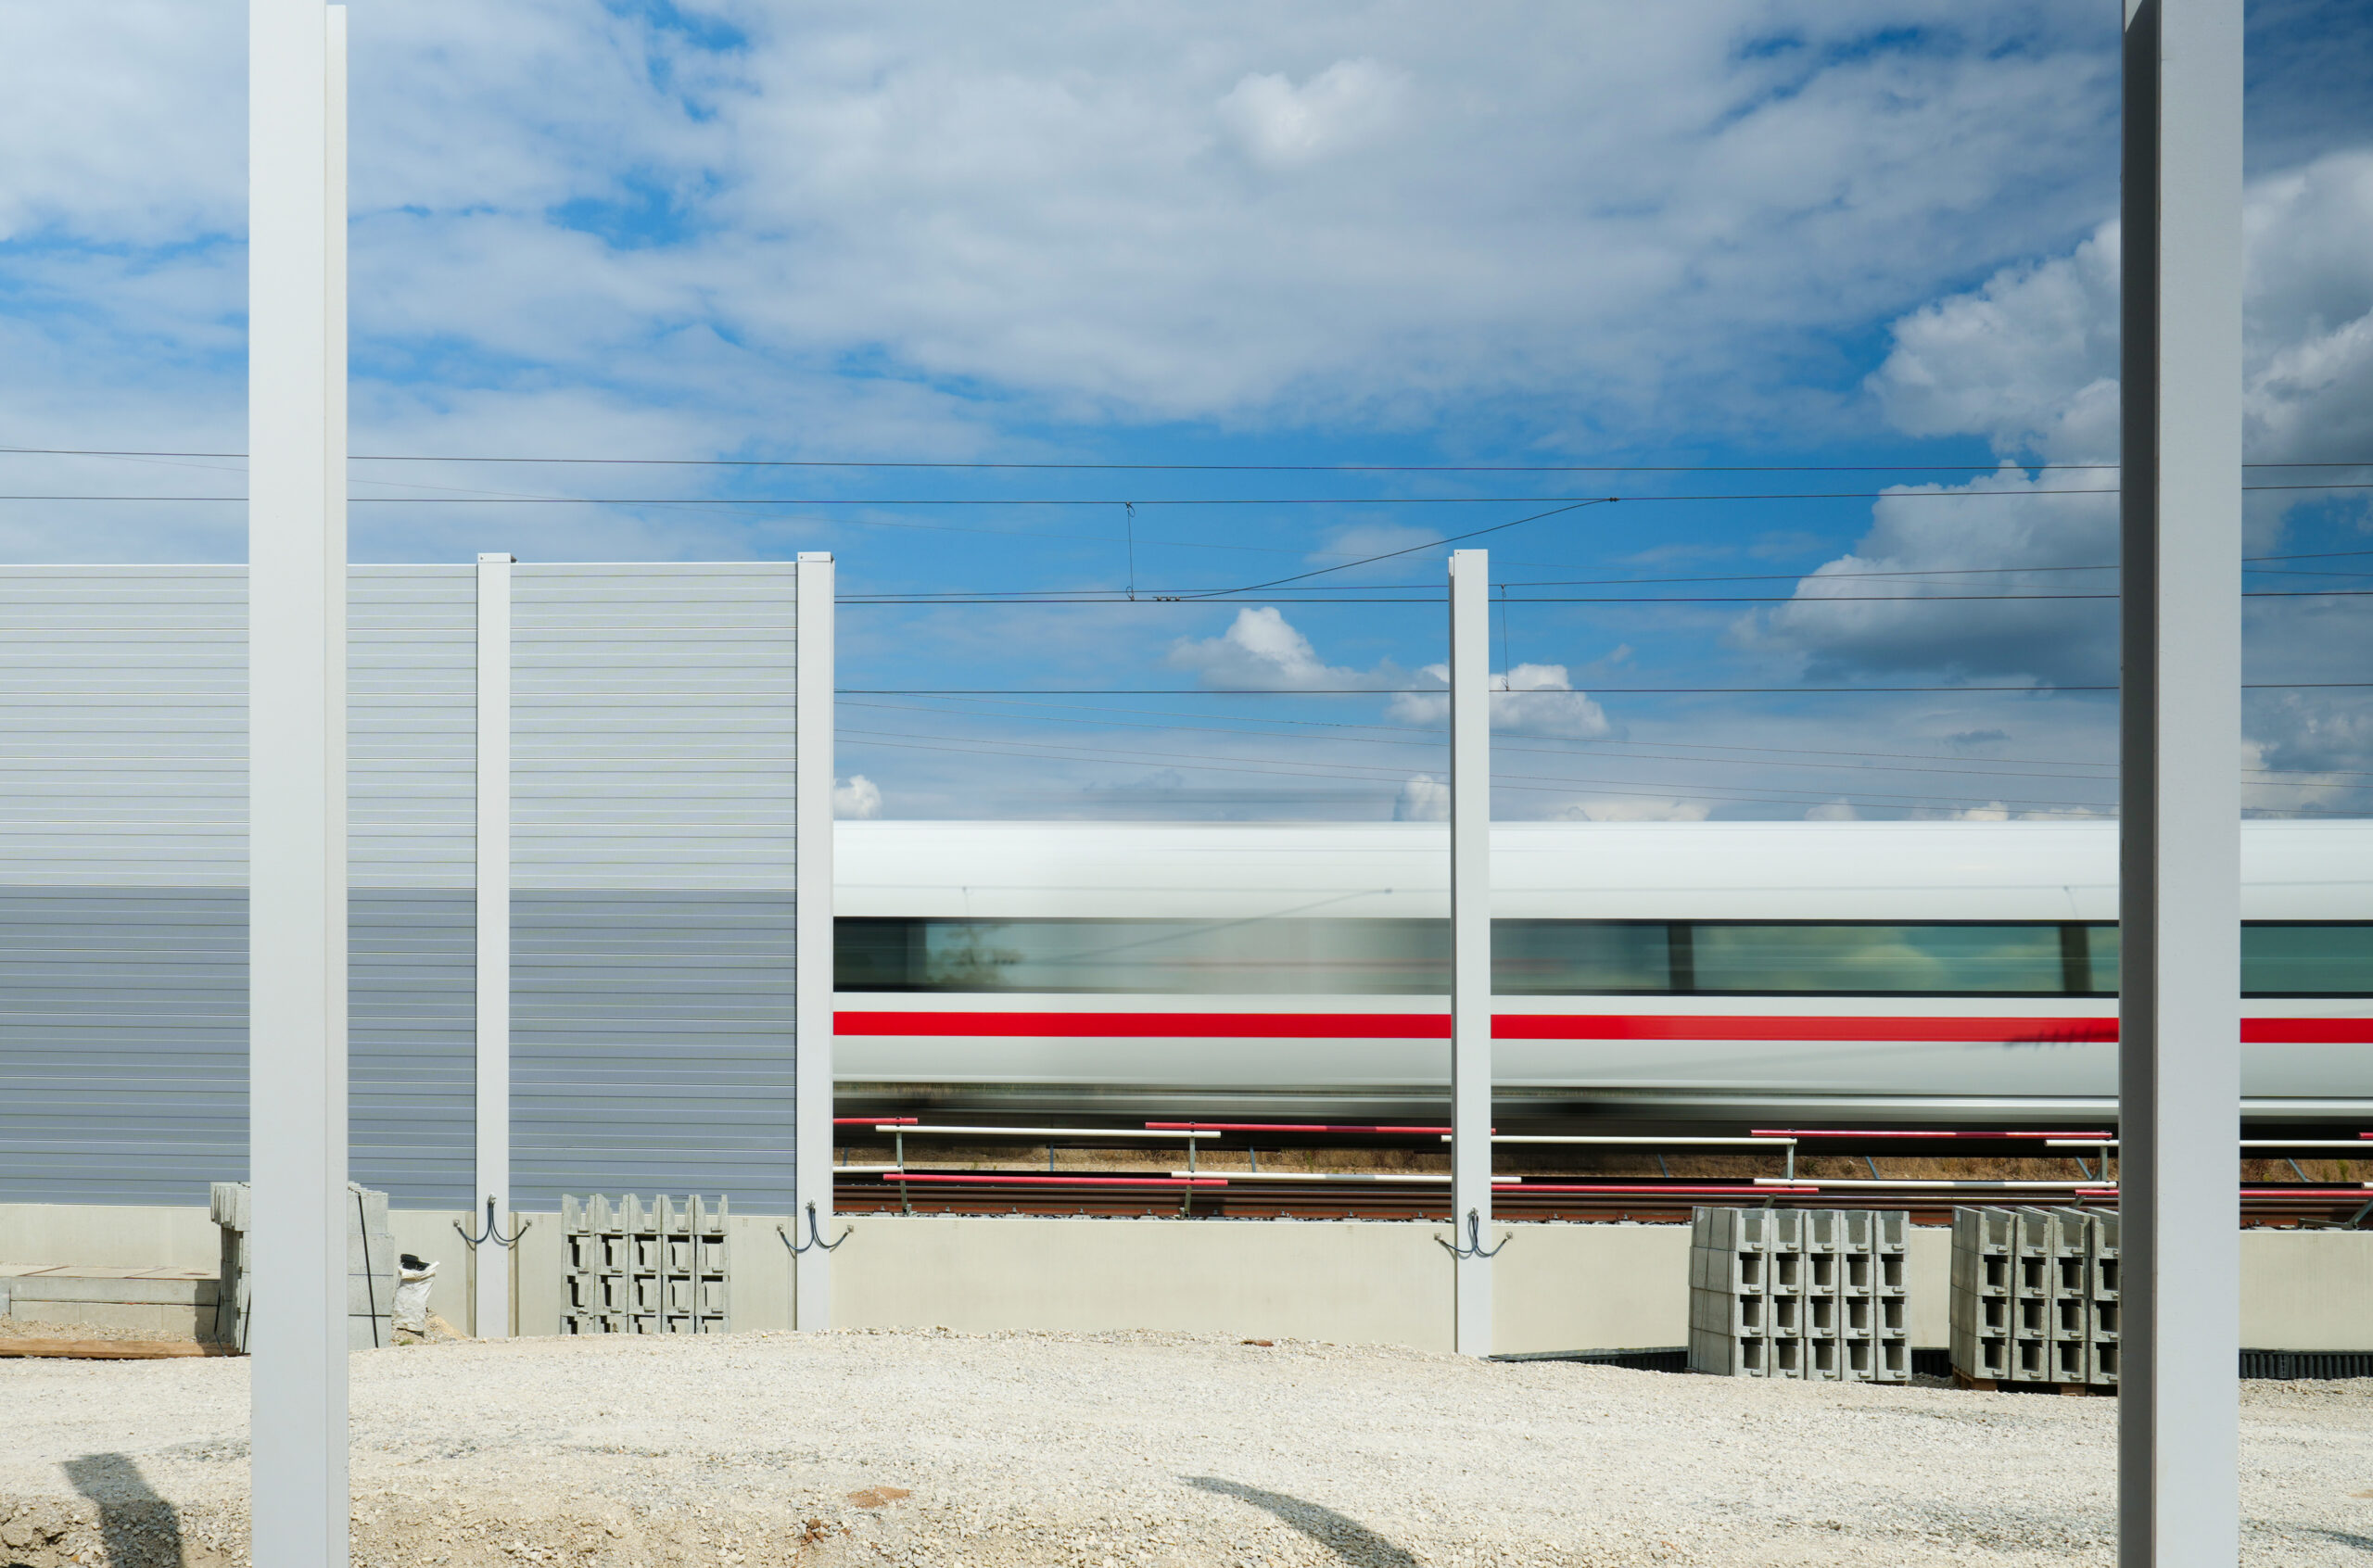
(1527, 783)
(1113, 502)
(2032, 691)
(1975, 767)
(1989, 466)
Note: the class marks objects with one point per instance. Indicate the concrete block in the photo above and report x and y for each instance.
(1890, 1360)
(1734, 1316)
(1858, 1276)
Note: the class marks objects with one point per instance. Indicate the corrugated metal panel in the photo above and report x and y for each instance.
(651, 1045)
(412, 727)
(654, 805)
(651, 726)
(123, 695)
(652, 823)
(412, 819)
(123, 859)
(124, 1044)
(411, 1043)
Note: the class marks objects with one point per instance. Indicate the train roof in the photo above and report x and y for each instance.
(1561, 870)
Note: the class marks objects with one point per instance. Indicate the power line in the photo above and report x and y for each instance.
(1987, 466)
(1429, 544)
(1678, 748)
(1182, 500)
(905, 740)
(1530, 783)
(994, 595)
(1246, 595)
(1433, 741)
(1444, 692)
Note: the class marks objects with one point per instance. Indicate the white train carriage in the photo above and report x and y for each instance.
(1944, 972)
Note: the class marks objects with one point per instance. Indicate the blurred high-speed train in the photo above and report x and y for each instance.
(1956, 972)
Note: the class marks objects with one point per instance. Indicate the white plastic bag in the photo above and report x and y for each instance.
(411, 1293)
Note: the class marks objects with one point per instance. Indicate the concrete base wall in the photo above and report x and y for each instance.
(1558, 1287)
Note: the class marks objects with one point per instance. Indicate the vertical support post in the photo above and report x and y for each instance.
(2181, 730)
(490, 1301)
(1470, 923)
(296, 909)
(812, 943)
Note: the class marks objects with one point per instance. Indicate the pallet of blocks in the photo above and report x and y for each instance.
(1809, 1294)
(2036, 1297)
(636, 1266)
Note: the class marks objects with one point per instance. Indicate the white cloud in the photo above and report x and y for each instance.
(2029, 362)
(1558, 709)
(1423, 799)
(856, 797)
(1283, 126)
(1220, 211)
(1645, 809)
(1833, 811)
(2029, 359)
(1263, 649)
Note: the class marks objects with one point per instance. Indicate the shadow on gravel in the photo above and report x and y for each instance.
(138, 1527)
(1347, 1538)
(2362, 1542)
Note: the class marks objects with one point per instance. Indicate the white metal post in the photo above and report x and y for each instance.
(2180, 723)
(490, 1208)
(812, 944)
(1471, 922)
(297, 910)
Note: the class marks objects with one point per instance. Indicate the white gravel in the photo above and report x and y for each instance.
(1138, 1448)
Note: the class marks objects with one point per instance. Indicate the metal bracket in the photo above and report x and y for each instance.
(492, 1232)
(815, 1236)
(1474, 1247)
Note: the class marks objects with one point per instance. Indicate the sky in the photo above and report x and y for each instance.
(1138, 363)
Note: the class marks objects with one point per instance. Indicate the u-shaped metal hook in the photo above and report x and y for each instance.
(815, 1236)
(1474, 1247)
(493, 1233)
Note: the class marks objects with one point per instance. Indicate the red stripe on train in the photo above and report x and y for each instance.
(1566, 1026)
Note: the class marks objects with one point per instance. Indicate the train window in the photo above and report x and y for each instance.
(2295, 958)
(1588, 958)
(1877, 959)
(1252, 956)
(1559, 957)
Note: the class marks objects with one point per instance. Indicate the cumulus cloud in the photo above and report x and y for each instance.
(856, 797)
(1212, 212)
(1423, 799)
(1261, 650)
(1833, 811)
(1529, 700)
(2029, 361)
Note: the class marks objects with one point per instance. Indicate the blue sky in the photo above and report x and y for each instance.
(1864, 242)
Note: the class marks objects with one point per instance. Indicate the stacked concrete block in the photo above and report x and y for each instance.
(2035, 1296)
(636, 1266)
(371, 1266)
(1809, 1294)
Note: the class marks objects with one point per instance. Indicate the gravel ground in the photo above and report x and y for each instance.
(1153, 1450)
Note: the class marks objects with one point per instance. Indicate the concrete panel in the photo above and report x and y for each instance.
(111, 1235)
(1562, 1286)
(1928, 1284)
(1591, 1287)
(1344, 1281)
(2307, 1290)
